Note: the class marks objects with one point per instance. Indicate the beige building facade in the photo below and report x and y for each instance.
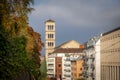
(110, 55)
(49, 37)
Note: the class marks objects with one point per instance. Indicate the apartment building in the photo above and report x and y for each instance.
(67, 55)
(63, 55)
(110, 55)
(51, 66)
(91, 59)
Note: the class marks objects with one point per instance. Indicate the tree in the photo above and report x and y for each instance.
(19, 54)
(43, 70)
(14, 16)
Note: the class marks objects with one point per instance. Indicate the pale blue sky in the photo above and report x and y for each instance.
(76, 19)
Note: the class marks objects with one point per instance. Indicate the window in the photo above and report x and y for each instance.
(50, 44)
(50, 36)
(80, 68)
(118, 35)
(50, 27)
(59, 65)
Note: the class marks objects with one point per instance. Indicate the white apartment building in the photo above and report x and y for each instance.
(66, 62)
(51, 66)
(67, 52)
(92, 59)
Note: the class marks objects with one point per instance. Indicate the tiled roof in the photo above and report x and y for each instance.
(68, 50)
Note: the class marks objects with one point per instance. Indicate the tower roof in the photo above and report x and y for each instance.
(50, 20)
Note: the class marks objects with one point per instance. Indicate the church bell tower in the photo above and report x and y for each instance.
(49, 37)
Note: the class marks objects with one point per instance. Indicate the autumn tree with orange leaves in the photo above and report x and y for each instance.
(20, 45)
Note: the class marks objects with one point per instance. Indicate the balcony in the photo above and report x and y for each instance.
(67, 75)
(84, 74)
(51, 75)
(92, 75)
(67, 65)
(50, 72)
(92, 66)
(86, 68)
(67, 59)
(50, 67)
(50, 60)
(85, 65)
(92, 56)
(50, 63)
(85, 58)
(67, 70)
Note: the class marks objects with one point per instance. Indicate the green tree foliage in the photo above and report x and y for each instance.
(19, 44)
(43, 70)
(14, 16)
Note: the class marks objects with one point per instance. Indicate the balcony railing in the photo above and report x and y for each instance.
(50, 72)
(67, 75)
(85, 64)
(50, 67)
(51, 75)
(92, 66)
(85, 74)
(92, 75)
(67, 59)
(51, 63)
(92, 56)
(67, 70)
(67, 64)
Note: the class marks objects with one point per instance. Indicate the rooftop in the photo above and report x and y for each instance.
(50, 20)
(70, 41)
(118, 28)
(68, 50)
